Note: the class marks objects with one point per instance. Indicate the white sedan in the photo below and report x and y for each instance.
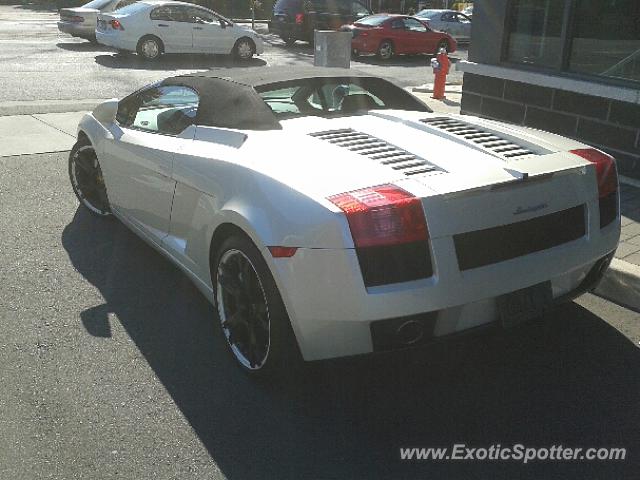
(456, 24)
(152, 28)
(328, 213)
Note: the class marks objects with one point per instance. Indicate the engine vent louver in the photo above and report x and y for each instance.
(378, 150)
(491, 141)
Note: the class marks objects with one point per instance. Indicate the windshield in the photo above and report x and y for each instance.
(335, 97)
(97, 4)
(373, 20)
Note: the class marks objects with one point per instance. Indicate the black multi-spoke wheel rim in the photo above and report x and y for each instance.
(88, 181)
(243, 309)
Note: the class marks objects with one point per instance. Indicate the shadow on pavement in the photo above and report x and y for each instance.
(567, 379)
(175, 62)
(85, 46)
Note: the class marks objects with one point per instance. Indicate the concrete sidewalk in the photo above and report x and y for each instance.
(42, 128)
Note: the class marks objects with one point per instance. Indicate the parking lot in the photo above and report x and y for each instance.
(111, 364)
(40, 63)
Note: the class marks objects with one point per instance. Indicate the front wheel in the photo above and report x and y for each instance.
(385, 50)
(87, 180)
(244, 49)
(252, 315)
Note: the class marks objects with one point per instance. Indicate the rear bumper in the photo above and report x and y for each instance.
(77, 29)
(332, 312)
(115, 40)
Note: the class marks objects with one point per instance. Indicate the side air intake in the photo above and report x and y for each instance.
(378, 150)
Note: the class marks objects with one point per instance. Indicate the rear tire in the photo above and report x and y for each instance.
(385, 50)
(150, 48)
(252, 316)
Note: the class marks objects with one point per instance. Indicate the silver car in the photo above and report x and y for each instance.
(82, 21)
(456, 24)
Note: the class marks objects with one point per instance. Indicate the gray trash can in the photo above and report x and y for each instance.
(332, 49)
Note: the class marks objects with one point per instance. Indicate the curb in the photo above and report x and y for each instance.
(621, 284)
(48, 106)
(428, 88)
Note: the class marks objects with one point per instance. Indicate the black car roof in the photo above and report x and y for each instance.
(259, 76)
(235, 92)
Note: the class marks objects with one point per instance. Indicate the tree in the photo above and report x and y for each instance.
(254, 4)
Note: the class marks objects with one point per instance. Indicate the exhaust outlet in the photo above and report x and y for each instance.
(410, 333)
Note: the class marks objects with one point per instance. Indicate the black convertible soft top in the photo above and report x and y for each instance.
(230, 99)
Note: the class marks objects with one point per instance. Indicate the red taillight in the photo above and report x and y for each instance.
(116, 25)
(76, 19)
(283, 252)
(384, 215)
(299, 18)
(605, 169)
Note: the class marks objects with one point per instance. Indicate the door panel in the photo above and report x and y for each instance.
(212, 38)
(141, 186)
(171, 24)
(151, 127)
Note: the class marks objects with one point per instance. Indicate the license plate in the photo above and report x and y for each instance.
(523, 305)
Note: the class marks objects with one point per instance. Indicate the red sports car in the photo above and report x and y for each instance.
(388, 35)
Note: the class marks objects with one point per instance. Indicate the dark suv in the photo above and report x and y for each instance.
(297, 19)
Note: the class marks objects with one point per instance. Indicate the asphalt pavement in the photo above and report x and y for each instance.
(111, 366)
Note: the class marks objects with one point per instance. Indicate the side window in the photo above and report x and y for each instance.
(463, 18)
(397, 24)
(170, 13)
(161, 13)
(447, 17)
(167, 110)
(180, 13)
(414, 25)
(198, 15)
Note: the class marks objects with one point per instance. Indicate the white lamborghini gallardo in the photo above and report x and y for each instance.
(329, 213)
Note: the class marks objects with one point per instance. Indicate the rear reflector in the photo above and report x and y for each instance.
(381, 216)
(283, 252)
(605, 169)
(299, 18)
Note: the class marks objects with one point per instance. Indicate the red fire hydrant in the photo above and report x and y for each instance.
(441, 65)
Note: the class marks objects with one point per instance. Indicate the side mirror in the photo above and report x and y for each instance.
(106, 111)
(223, 24)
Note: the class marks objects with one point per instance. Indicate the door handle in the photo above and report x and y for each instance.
(197, 28)
(163, 25)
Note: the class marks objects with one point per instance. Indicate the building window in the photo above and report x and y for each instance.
(606, 38)
(535, 32)
(590, 37)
